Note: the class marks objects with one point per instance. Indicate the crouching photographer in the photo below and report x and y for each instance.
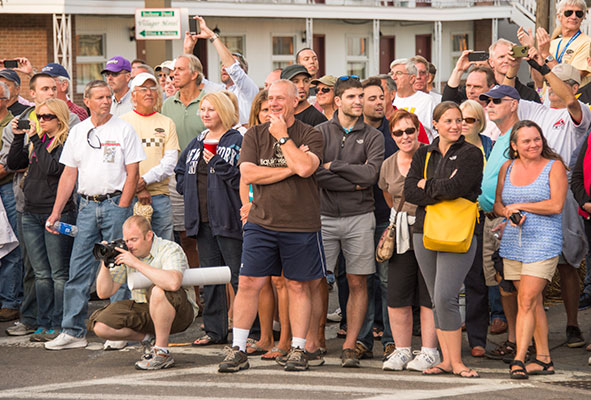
(155, 312)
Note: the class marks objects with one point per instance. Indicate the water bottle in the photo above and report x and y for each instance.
(65, 229)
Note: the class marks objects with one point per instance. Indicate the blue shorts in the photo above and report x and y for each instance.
(266, 253)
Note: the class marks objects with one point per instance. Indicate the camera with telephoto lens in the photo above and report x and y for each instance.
(107, 252)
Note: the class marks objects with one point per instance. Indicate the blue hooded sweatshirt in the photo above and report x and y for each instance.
(223, 198)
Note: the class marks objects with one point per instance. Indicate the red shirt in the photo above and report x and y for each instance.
(76, 109)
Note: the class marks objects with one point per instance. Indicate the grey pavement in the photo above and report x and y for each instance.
(28, 371)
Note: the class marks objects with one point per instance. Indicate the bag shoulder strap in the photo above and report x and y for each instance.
(426, 163)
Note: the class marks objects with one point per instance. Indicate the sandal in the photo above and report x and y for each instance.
(342, 333)
(206, 340)
(518, 373)
(467, 371)
(545, 368)
(438, 371)
(255, 350)
(272, 354)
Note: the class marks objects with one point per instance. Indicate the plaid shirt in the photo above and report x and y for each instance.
(165, 255)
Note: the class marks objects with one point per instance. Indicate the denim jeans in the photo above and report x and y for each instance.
(50, 259)
(95, 222)
(366, 334)
(495, 304)
(11, 265)
(161, 216)
(28, 310)
(343, 289)
(215, 251)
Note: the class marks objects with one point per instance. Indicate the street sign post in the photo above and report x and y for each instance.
(157, 24)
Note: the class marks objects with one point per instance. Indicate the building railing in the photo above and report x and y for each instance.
(379, 3)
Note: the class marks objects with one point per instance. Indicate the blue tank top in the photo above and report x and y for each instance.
(540, 236)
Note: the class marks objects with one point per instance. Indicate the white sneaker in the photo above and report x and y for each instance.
(114, 344)
(65, 341)
(335, 316)
(589, 361)
(397, 361)
(423, 361)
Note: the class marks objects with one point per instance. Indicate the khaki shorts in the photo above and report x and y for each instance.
(490, 244)
(514, 270)
(136, 316)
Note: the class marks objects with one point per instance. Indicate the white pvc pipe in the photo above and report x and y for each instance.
(191, 277)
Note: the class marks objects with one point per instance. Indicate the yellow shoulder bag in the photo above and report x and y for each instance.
(449, 224)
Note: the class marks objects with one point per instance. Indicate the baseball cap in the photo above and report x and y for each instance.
(141, 78)
(55, 69)
(328, 80)
(10, 75)
(117, 64)
(293, 70)
(165, 64)
(566, 72)
(500, 91)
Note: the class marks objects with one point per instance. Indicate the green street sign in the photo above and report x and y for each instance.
(157, 24)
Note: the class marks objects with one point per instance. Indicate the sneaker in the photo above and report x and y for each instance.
(506, 349)
(8, 314)
(296, 360)
(584, 301)
(155, 359)
(115, 345)
(335, 316)
(234, 361)
(388, 349)
(315, 359)
(574, 337)
(64, 341)
(362, 352)
(349, 359)
(397, 361)
(423, 361)
(19, 329)
(43, 335)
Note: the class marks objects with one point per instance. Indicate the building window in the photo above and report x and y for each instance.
(460, 42)
(357, 56)
(283, 51)
(90, 58)
(234, 43)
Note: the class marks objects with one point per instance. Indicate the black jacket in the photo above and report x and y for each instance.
(458, 94)
(462, 156)
(43, 175)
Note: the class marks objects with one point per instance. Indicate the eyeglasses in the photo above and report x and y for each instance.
(325, 90)
(423, 73)
(398, 73)
(347, 77)
(144, 90)
(92, 142)
(578, 13)
(110, 73)
(46, 117)
(408, 131)
(496, 101)
(470, 120)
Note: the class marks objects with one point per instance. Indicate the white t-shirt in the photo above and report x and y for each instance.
(422, 105)
(102, 170)
(561, 133)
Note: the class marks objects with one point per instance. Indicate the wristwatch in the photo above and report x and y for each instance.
(284, 140)
(548, 59)
(213, 38)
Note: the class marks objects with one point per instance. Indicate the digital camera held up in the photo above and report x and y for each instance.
(107, 253)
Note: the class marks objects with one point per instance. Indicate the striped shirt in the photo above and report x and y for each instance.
(164, 254)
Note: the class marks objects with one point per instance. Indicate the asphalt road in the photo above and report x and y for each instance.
(28, 371)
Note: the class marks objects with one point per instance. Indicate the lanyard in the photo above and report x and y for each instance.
(559, 57)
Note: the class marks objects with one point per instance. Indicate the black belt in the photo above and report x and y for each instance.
(490, 215)
(101, 197)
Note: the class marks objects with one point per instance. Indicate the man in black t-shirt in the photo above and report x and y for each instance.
(304, 111)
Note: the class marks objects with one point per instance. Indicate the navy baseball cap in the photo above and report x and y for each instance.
(117, 64)
(11, 75)
(55, 69)
(293, 70)
(500, 91)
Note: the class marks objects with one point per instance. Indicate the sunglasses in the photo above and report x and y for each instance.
(110, 73)
(93, 143)
(408, 131)
(578, 13)
(46, 117)
(347, 77)
(469, 120)
(496, 101)
(325, 90)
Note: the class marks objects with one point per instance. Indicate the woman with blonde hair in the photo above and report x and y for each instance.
(49, 254)
(208, 177)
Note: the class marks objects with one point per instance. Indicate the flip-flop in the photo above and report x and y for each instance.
(272, 354)
(256, 350)
(440, 371)
(205, 340)
(467, 370)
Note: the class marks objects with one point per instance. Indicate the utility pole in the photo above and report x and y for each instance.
(543, 15)
(157, 50)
